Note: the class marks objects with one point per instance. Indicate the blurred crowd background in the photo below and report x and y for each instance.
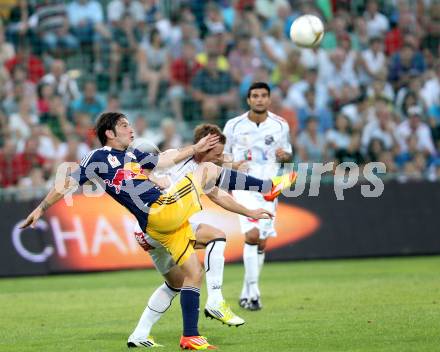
(370, 92)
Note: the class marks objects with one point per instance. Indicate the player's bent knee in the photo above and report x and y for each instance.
(192, 271)
(174, 285)
(194, 277)
(175, 277)
(218, 235)
(214, 239)
(252, 237)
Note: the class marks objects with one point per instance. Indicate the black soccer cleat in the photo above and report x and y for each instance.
(254, 304)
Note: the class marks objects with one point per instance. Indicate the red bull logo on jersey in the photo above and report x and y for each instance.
(131, 171)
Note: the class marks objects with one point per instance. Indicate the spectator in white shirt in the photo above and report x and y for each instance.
(339, 137)
(414, 125)
(268, 9)
(316, 58)
(296, 98)
(63, 84)
(377, 23)
(20, 123)
(382, 128)
(86, 19)
(430, 94)
(357, 112)
(85, 16)
(341, 80)
(7, 50)
(273, 46)
(373, 61)
(431, 88)
(117, 9)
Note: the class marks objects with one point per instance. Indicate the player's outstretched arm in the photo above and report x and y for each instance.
(227, 202)
(56, 193)
(171, 157)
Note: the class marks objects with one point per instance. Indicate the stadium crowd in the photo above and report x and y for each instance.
(369, 92)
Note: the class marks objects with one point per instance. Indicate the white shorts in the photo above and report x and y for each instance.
(162, 259)
(254, 200)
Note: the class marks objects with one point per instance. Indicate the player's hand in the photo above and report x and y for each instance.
(32, 219)
(281, 155)
(206, 143)
(260, 213)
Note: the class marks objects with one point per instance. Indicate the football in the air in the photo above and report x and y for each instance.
(307, 31)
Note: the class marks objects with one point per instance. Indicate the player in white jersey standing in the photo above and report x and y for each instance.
(258, 141)
(213, 240)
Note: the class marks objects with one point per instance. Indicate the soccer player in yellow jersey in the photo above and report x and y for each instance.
(126, 174)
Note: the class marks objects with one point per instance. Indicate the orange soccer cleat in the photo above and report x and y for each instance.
(195, 343)
(279, 183)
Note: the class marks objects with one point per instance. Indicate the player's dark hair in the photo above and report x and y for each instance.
(206, 128)
(258, 85)
(107, 121)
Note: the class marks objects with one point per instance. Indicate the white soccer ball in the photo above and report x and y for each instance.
(307, 31)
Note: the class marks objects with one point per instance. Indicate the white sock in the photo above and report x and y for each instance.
(261, 256)
(214, 265)
(245, 289)
(250, 259)
(157, 305)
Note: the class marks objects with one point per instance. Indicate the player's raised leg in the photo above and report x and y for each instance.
(209, 175)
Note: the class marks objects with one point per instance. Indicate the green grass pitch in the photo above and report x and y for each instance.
(340, 305)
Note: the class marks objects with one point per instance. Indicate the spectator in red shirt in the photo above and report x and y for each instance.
(24, 162)
(33, 65)
(393, 40)
(182, 72)
(8, 176)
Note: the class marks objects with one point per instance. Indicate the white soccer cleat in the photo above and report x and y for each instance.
(146, 343)
(224, 314)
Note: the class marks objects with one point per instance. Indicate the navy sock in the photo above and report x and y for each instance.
(231, 180)
(190, 301)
